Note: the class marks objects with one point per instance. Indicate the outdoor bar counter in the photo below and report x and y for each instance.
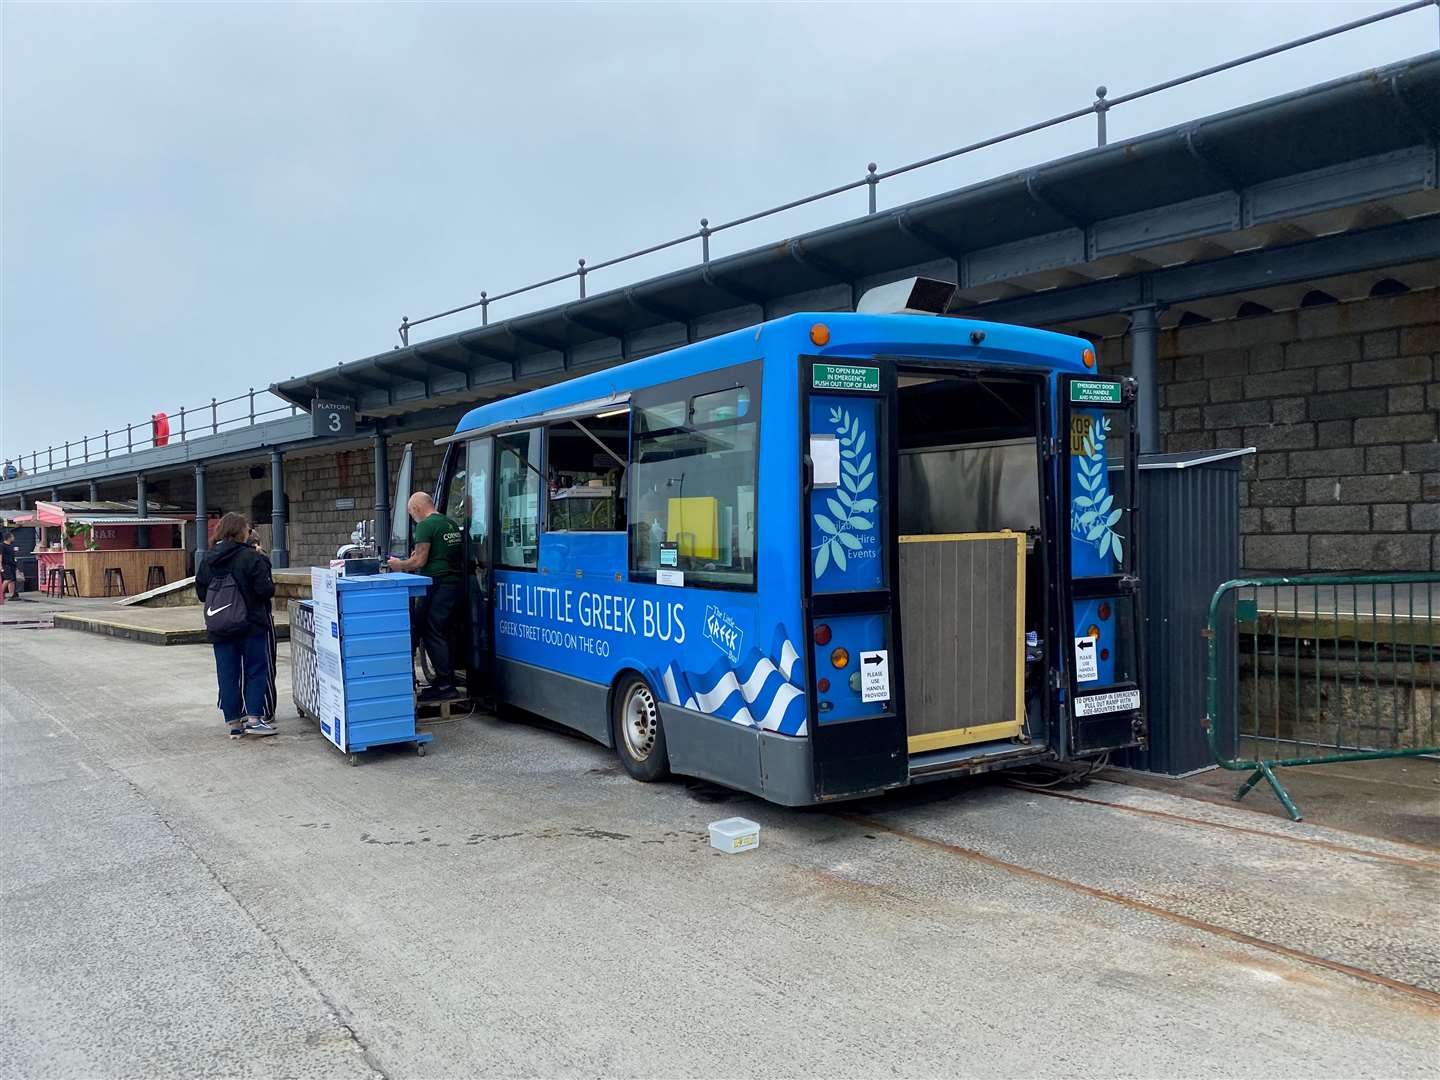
(133, 563)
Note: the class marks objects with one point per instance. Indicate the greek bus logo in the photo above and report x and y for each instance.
(724, 632)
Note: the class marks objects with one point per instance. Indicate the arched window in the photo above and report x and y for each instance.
(262, 510)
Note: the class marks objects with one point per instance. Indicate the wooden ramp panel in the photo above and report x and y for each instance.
(962, 598)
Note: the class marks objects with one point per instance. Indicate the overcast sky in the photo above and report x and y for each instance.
(206, 197)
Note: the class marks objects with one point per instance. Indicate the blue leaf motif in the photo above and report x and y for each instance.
(1113, 517)
(822, 560)
(838, 554)
(849, 482)
(864, 462)
(826, 525)
(858, 523)
(837, 509)
(1119, 551)
(849, 541)
(845, 497)
(860, 442)
(865, 482)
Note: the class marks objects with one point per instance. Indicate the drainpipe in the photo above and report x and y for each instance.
(1143, 331)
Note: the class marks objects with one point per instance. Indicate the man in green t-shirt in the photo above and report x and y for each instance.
(439, 554)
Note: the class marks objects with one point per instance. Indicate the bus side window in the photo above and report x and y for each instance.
(457, 491)
(479, 452)
(692, 476)
(518, 491)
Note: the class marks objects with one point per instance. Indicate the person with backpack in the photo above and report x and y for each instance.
(234, 585)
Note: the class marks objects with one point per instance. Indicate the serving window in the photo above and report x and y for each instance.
(585, 465)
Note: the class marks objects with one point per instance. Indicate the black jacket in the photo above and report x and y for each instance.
(251, 572)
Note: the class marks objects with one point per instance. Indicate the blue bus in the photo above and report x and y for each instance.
(814, 559)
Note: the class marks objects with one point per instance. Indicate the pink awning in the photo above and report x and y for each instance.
(49, 513)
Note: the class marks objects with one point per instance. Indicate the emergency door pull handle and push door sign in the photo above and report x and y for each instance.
(1096, 391)
(332, 419)
(875, 676)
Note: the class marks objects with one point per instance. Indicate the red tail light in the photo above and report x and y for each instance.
(822, 634)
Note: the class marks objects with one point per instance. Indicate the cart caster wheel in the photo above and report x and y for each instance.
(354, 760)
(420, 749)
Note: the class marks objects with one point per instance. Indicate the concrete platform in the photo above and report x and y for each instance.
(152, 626)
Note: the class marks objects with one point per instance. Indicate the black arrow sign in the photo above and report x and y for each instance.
(874, 659)
(1088, 643)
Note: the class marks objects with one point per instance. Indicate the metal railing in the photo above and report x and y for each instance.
(186, 424)
(1319, 669)
(1099, 108)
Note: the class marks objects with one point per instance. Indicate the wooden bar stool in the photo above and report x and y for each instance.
(155, 578)
(114, 578)
(54, 580)
(69, 583)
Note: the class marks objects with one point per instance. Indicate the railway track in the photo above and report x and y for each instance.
(1374, 978)
(1423, 862)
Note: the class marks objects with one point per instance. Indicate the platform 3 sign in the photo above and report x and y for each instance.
(332, 419)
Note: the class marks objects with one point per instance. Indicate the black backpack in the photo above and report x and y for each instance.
(226, 613)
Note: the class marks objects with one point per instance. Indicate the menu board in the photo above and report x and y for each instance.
(329, 664)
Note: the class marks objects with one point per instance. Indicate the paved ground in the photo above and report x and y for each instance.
(175, 904)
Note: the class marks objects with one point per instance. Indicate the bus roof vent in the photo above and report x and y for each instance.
(909, 296)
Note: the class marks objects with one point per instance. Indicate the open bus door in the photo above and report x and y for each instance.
(1100, 611)
(464, 496)
(858, 735)
(398, 540)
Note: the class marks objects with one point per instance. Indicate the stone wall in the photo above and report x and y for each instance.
(316, 481)
(1340, 402)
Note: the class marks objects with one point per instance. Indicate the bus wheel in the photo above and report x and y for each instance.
(639, 736)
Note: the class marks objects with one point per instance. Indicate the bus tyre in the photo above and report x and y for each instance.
(639, 735)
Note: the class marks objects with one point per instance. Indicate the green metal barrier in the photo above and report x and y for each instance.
(1321, 669)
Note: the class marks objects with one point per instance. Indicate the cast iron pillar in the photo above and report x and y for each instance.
(382, 491)
(1143, 330)
(202, 519)
(22, 501)
(54, 494)
(142, 510)
(279, 553)
(94, 492)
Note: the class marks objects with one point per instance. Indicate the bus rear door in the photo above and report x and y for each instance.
(858, 731)
(1098, 502)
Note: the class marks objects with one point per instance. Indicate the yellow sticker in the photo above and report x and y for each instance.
(1080, 428)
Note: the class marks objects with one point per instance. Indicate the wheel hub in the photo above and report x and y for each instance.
(641, 722)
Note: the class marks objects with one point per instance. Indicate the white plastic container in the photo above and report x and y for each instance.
(734, 835)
